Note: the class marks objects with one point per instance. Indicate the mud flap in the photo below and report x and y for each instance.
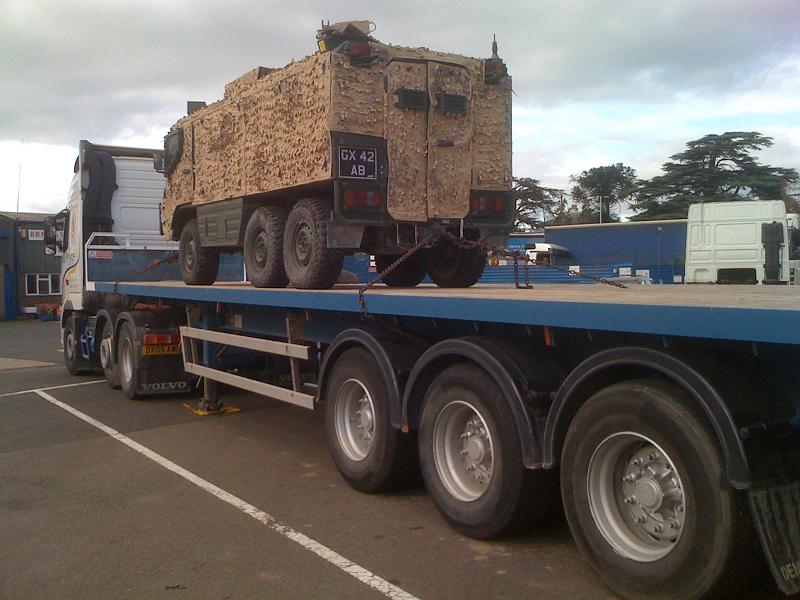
(776, 513)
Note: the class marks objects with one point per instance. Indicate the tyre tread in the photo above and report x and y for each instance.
(273, 273)
(326, 263)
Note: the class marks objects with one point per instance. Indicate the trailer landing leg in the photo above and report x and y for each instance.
(211, 404)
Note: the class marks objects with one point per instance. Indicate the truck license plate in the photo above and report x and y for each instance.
(357, 163)
(160, 349)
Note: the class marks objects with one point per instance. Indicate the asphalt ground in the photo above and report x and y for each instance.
(149, 501)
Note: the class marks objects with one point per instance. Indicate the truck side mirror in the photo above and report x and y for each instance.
(54, 233)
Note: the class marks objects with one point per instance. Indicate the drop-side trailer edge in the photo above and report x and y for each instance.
(671, 415)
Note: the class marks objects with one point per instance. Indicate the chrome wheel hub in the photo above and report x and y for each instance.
(463, 451)
(69, 345)
(127, 360)
(105, 353)
(354, 419)
(636, 497)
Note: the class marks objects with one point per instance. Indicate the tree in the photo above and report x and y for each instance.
(713, 168)
(607, 187)
(535, 204)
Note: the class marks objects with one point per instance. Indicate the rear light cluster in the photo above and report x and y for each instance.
(155, 339)
(487, 203)
(358, 198)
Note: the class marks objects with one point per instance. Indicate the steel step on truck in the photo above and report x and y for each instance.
(665, 419)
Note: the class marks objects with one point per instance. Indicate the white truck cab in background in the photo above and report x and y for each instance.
(748, 241)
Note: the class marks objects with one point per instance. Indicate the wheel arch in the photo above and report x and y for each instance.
(183, 214)
(392, 357)
(521, 375)
(622, 364)
(104, 316)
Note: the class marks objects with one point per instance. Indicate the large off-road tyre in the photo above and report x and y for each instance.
(645, 494)
(410, 273)
(263, 247)
(370, 454)
(471, 458)
(452, 267)
(199, 265)
(70, 339)
(106, 351)
(128, 361)
(309, 263)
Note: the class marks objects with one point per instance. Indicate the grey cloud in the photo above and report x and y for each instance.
(92, 69)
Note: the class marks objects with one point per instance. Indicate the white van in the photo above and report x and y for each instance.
(749, 241)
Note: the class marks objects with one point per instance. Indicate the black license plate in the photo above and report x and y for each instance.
(357, 163)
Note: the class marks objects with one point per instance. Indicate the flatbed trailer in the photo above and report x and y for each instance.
(670, 414)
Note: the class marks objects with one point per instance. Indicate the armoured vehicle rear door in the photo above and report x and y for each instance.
(429, 137)
(449, 140)
(407, 138)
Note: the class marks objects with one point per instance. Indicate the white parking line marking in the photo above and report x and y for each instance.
(55, 387)
(363, 575)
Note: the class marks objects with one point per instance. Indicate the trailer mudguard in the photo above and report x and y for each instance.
(394, 357)
(526, 379)
(610, 366)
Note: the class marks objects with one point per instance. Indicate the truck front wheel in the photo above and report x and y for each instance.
(471, 457)
(643, 484)
(309, 263)
(453, 267)
(70, 340)
(370, 454)
(199, 265)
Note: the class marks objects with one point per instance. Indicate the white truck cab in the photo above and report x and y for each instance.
(749, 241)
(113, 202)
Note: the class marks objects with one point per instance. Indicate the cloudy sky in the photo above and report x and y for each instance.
(596, 81)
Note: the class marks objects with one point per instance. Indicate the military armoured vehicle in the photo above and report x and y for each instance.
(362, 146)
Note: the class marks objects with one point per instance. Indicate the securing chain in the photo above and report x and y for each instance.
(173, 257)
(362, 303)
(518, 256)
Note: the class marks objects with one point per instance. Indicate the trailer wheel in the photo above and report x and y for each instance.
(643, 484)
(70, 342)
(309, 263)
(408, 274)
(452, 267)
(471, 458)
(263, 247)
(370, 454)
(128, 363)
(107, 355)
(199, 265)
